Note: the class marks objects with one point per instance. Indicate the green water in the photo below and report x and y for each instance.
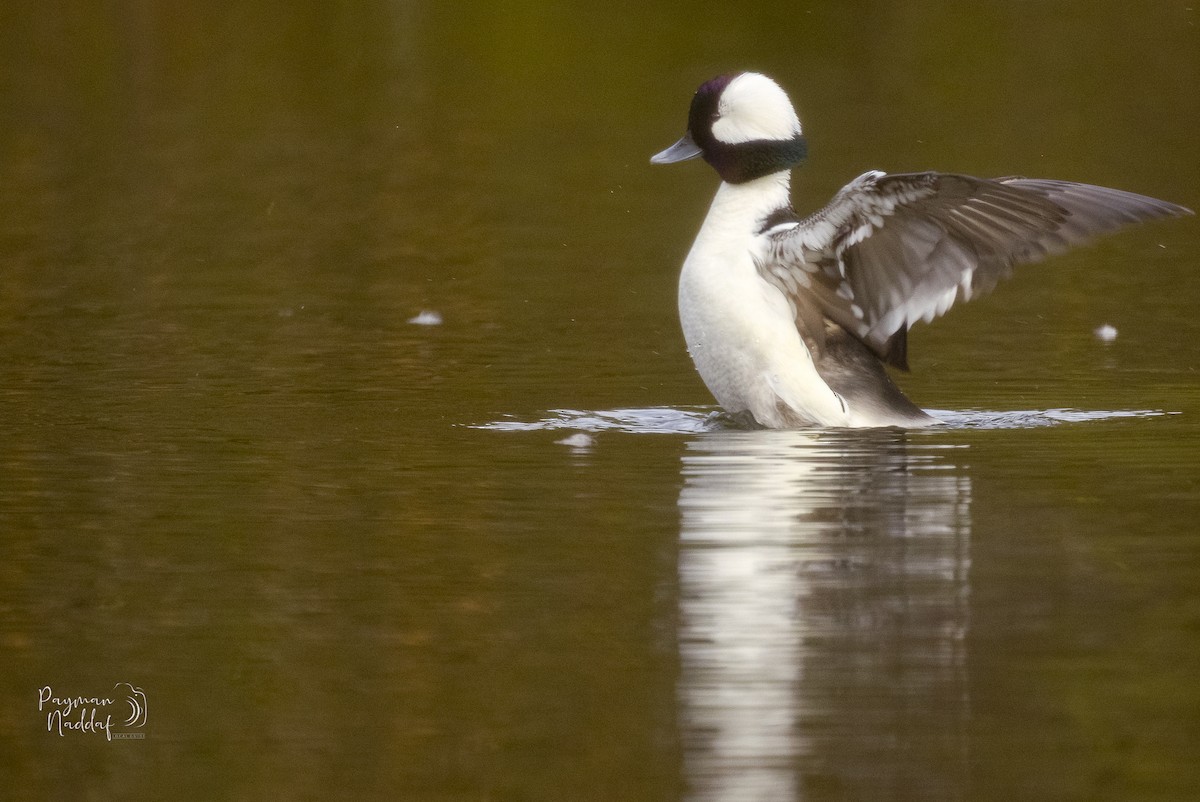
(234, 475)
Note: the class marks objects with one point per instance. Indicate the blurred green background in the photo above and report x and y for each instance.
(234, 474)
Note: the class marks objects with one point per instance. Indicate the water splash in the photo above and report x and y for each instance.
(694, 420)
(652, 420)
(1035, 418)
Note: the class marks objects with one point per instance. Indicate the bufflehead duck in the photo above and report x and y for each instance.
(791, 320)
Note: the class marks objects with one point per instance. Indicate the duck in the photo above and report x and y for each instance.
(794, 321)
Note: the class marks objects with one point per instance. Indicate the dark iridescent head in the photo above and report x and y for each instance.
(743, 125)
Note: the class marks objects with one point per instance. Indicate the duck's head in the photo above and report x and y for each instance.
(743, 125)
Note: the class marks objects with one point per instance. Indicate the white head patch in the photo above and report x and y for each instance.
(754, 107)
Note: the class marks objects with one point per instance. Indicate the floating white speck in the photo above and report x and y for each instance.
(427, 318)
(1106, 333)
(579, 440)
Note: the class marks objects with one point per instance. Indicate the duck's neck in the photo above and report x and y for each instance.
(741, 208)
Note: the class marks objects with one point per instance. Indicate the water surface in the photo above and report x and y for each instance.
(509, 555)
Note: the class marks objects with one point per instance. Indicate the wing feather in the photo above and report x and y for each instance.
(890, 250)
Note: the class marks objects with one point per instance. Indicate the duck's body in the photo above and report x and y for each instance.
(791, 320)
(739, 330)
(755, 346)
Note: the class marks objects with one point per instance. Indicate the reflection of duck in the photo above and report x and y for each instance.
(791, 319)
(823, 613)
(137, 704)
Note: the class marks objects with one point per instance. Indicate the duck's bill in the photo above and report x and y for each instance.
(682, 150)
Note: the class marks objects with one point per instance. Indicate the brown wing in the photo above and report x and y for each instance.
(890, 250)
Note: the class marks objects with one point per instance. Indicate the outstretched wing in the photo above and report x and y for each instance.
(890, 250)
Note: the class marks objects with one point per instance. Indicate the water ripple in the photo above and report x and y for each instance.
(693, 420)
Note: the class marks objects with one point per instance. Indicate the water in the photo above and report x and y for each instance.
(675, 420)
(343, 411)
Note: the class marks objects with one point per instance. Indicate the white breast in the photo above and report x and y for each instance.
(740, 330)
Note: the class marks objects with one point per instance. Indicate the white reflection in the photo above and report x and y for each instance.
(823, 584)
